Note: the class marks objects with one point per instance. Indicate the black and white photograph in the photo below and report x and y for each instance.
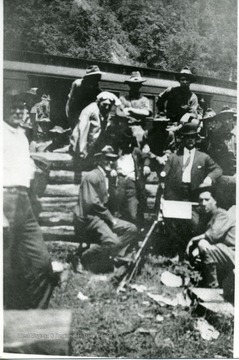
(119, 148)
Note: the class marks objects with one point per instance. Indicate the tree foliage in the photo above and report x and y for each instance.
(164, 34)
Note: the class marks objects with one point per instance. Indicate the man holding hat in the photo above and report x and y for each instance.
(136, 106)
(107, 237)
(184, 171)
(82, 93)
(214, 247)
(88, 136)
(180, 101)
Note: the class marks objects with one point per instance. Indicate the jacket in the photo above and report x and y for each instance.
(202, 167)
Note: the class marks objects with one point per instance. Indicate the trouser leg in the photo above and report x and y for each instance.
(28, 279)
(217, 261)
(127, 199)
(107, 243)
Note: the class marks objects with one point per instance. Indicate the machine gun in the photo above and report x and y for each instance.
(139, 255)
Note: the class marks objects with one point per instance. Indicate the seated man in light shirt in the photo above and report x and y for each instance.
(28, 275)
(132, 169)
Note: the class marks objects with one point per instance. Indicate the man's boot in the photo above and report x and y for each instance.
(209, 273)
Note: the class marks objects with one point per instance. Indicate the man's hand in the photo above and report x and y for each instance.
(162, 159)
(114, 222)
(207, 181)
(146, 170)
(204, 245)
(193, 242)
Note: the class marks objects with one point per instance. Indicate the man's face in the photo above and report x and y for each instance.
(211, 125)
(108, 164)
(134, 87)
(184, 82)
(227, 123)
(189, 141)
(207, 203)
(15, 115)
(105, 107)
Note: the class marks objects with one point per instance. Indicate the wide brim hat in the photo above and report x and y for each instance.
(59, 130)
(43, 120)
(161, 118)
(209, 115)
(189, 129)
(203, 188)
(106, 95)
(185, 72)
(107, 152)
(93, 70)
(135, 78)
(225, 112)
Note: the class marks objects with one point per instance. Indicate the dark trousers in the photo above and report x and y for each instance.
(106, 242)
(127, 199)
(28, 277)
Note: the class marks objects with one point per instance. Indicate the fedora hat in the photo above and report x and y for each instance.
(93, 70)
(59, 130)
(185, 72)
(107, 152)
(203, 188)
(189, 129)
(135, 78)
(209, 114)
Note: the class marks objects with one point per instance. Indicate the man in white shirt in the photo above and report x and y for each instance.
(184, 171)
(28, 274)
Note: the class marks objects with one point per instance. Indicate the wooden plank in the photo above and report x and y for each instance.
(55, 218)
(61, 177)
(207, 294)
(58, 161)
(62, 190)
(59, 233)
(43, 332)
(220, 308)
(58, 205)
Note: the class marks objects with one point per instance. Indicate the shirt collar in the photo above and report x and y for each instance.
(186, 151)
(12, 129)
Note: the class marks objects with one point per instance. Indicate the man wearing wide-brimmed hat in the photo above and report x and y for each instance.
(88, 135)
(135, 105)
(219, 150)
(184, 171)
(82, 93)
(107, 236)
(180, 101)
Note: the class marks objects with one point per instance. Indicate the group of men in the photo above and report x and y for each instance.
(113, 153)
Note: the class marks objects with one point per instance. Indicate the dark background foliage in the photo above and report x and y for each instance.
(163, 34)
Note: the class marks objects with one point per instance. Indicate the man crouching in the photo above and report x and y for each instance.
(215, 246)
(109, 239)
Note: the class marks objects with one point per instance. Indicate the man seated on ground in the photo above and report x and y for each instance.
(28, 275)
(180, 103)
(184, 171)
(88, 136)
(214, 247)
(82, 93)
(109, 238)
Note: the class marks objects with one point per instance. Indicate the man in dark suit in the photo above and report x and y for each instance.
(184, 171)
(109, 238)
